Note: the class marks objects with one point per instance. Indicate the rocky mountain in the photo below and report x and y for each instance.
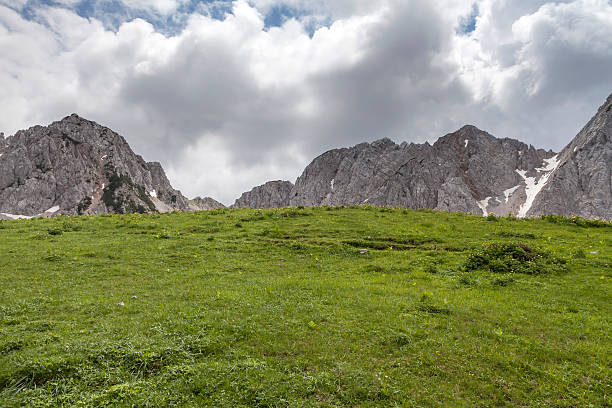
(273, 194)
(206, 203)
(581, 183)
(75, 166)
(468, 170)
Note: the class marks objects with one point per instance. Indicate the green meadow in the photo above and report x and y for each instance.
(303, 307)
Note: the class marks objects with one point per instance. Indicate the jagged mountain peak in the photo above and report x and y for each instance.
(384, 143)
(75, 118)
(462, 136)
(76, 166)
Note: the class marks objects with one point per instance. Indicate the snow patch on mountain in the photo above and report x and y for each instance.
(533, 186)
(510, 191)
(483, 206)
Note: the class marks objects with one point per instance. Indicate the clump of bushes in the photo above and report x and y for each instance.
(116, 200)
(492, 217)
(581, 222)
(512, 258)
(291, 212)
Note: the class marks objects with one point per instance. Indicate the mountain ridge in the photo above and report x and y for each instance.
(468, 170)
(75, 166)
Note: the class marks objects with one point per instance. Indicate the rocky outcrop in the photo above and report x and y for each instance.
(273, 194)
(206, 203)
(75, 166)
(580, 184)
(468, 170)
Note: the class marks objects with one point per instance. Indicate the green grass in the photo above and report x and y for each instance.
(278, 308)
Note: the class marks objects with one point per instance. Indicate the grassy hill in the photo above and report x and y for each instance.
(284, 308)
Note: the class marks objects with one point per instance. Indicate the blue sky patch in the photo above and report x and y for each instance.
(467, 24)
(278, 15)
(112, 13)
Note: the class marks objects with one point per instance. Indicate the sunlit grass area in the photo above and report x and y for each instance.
(299, 307)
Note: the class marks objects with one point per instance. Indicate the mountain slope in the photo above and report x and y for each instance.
(581, 184)
(206, 203)
(75, 166)
(273, 194)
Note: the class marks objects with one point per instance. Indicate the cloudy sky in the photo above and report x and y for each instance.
(230, 94)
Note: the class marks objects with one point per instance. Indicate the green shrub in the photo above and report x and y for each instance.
(512, 258)
(293, 212)
(581, 222)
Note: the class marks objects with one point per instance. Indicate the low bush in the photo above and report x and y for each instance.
(581, 222)
(516, 234)
(512, 258)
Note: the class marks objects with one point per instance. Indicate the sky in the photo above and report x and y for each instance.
(230, 94)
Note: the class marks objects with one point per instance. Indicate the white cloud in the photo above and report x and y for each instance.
(225, 105)
(161, 6)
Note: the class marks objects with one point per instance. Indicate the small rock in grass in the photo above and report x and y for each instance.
(120, 304)
(363, 251)
(594, 252)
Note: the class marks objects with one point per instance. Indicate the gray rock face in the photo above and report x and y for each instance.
(206, 203)
(76, 166)
(273, 194)
(581, 183)
(468, 170)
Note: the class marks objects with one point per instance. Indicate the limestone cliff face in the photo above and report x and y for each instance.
(581, 183)
(75, 166)
(273, 194)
